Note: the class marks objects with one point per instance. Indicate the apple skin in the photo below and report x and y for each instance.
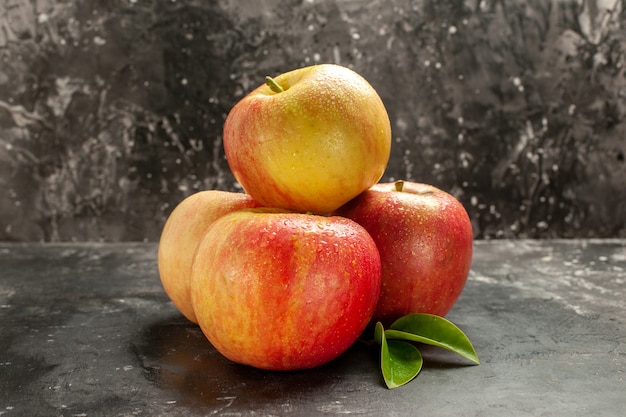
(312, 147)
(182, 232)
(282, 290)
(424, 236)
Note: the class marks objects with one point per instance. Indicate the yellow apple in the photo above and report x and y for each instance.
(308, 140)
(182, 232)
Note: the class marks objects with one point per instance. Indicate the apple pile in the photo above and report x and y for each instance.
(290, 273)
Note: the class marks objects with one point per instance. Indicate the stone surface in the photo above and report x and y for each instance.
(86, 330)
(111, 112)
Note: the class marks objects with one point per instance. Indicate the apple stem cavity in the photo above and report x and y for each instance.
(399, 185)
(273, 85)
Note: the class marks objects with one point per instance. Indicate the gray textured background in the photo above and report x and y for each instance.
(111, 112)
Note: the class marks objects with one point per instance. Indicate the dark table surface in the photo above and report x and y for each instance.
(86, 330)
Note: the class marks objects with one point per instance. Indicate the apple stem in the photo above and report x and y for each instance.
(273, 85)
(399, 185)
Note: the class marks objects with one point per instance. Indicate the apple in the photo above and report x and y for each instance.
(282, 290)
(182, 232)
(424, 236)
(309, 140)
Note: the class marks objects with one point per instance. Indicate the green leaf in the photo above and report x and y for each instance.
(379, 333)
(432, 330)
(400, 361)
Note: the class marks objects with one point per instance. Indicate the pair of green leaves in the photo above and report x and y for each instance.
(401, 361)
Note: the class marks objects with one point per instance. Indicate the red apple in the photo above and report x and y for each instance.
(309, 140)
(424, 237)
(282, 291)
(182, 232)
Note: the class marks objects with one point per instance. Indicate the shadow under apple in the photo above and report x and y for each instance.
(176, 357)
